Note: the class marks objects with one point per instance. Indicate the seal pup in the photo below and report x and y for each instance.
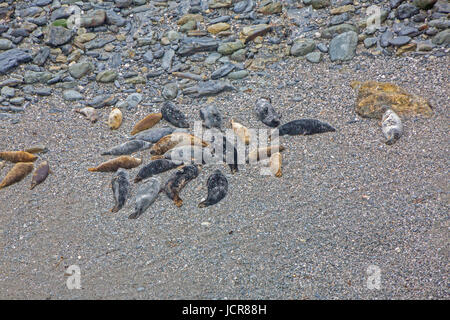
(155, 167)
(217, 189)
(211, 116)
(115, 119)
(153, 135)
(146, 195)
(176, 139)
(126, 162)
(174, 115)
(304, 127)
(89, 112)
(128, 147)
(187, 154)
(392, 126)
(241, 131)
(40, 174)
(266, 113)
(275, 164)
(17, 173)
(121, 188)
(263, 153)
(177, 182)
(17, 156)
(147, 123)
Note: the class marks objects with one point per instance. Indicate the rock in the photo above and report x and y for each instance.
(170, 91)
(407, 48)
(188, 17)
(218, 27)
(133, 100)
(370, 42)
(424, 4)
(400, 41)
(330, 32)
(34, 77)
(166, 63)
(79, 70)
(11, 58)
(374, 96)
(442, 37)
(406, 10)
(58, 36)
(319, 4)
(72, 95)
(190, 25)
(93, 19)
(239, 55)
(314, 57)
(236, 75)
(211, 116)
(343, 9)
(228, 48)
(385, 38)
(107, 76)
(271, 8)
(191, 46)
(216, 4)
(343, 46)
(41, 57)
(302, 47)
(114, 19)
(6, 44)
(102, 101)
(249, 33)
(208, 88)
(222, 71)
(8, 92)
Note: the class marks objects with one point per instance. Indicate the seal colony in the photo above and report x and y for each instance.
(174, 147)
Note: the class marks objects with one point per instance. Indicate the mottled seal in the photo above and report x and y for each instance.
(177, 182)
(17, 156)
(89, 112)
(174, 115)
(155, 167)
(211, 116)
(146, 195)
(40, 174)
(241, 131)
(263, 153)
(121, 188)
(275, 164)
(147, 123)
(392, 126)
(217, 189)
(128, 147)
(153, 135)
(187, 154)
(266, 113)
(17, 173)
(115, 119)
(126, 162)
(304, 127)
(176, 139)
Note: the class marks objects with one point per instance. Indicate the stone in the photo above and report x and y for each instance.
(8, 92)
(400, 41)
(424, 4)
(170, 91)
(406, 10)
(330, 32)
(320, 4)
(249, 33)
(314, 57)
(72, 95)
(271, 8)
(107, 76)
(373, 97)
(93, 19)
(302, 47)
(79, 70)
(343, 9)
(228, 48)
(218, 27)
(442, 37)
(343, 46)
(6, 44)
(58, 36)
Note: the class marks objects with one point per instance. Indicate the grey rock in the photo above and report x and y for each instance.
(302, 47)
(343, 46)
(314, 57)
(211, 116)
(11, 58)
(58, 36)
(72, 95)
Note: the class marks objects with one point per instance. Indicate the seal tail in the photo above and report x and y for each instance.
(115, 209)
(203, 204)
(136, 214)
(92, 169)
(177, 200)
(106, 153)
(32, 186)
